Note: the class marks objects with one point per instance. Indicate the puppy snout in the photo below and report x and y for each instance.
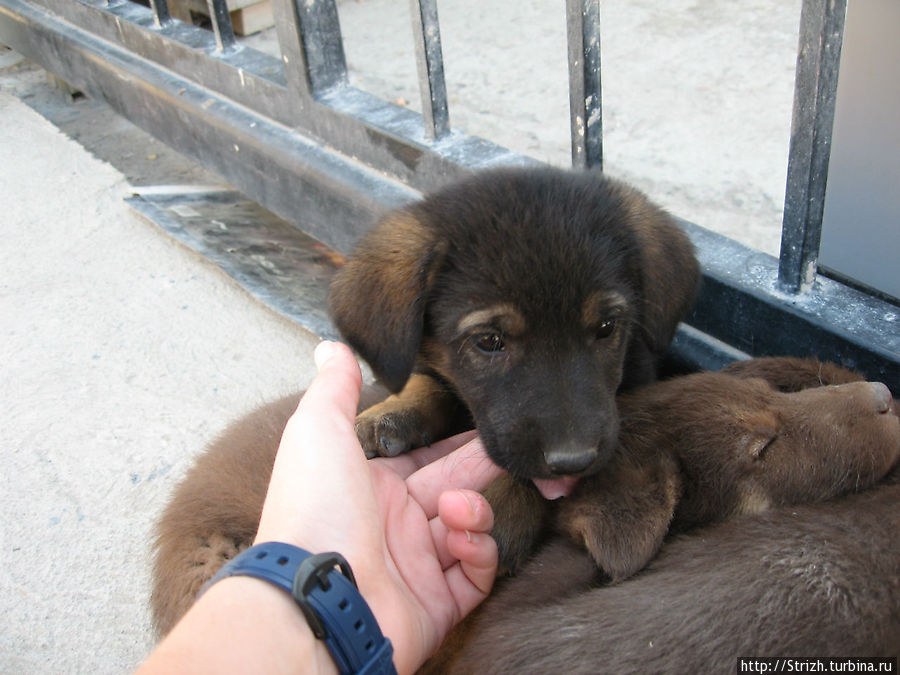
(569, 460)
(884, 402)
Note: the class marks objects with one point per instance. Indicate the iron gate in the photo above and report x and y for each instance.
(295, 136)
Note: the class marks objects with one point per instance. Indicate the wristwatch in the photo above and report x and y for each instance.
(324, 588)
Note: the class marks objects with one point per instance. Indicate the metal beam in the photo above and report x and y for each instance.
(815, 93)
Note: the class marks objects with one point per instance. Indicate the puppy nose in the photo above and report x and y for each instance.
(569, 460)
(883, 399)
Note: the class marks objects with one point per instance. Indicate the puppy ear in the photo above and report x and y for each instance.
(377, 299)
(759, 431)
(670, 271)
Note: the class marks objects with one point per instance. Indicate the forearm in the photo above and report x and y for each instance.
(242, 624)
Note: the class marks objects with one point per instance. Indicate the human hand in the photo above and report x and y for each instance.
(413, 527)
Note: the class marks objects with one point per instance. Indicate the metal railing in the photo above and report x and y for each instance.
(295, 136)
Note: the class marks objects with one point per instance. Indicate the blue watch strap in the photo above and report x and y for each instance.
(324, 587)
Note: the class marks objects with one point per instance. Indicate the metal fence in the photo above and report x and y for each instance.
(295, 136)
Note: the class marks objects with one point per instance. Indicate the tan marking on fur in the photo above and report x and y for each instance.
(503, 316)
(601, 306)
(669, 264)
(752, 499)
(423, 402)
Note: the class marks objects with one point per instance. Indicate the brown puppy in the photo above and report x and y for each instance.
(717, 595)
(214, 512)
(523, 297)
(529, 296)
(709, 446)
(817, 579)
(520, 301)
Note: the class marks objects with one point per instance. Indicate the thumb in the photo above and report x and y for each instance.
(337, 384)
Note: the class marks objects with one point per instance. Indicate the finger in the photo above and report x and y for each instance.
(465, 510)
(467, 467)
(408, 463)
(461, 511)
(337, 383)
(323, 428)
(470, 581)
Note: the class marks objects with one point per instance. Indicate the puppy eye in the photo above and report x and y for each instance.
(490, 343)
(607, 328)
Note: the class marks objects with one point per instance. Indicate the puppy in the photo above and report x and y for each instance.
(804, 580)
(214, 512)
(517, 300)
(520, 301)
(817, 579)
(708, 446)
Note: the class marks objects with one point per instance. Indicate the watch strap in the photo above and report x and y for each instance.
(324, 588)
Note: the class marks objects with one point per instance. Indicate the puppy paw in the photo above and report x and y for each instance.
(511, 554)
(618, 554)
(387, 434)
(622, 514)
(520, 518)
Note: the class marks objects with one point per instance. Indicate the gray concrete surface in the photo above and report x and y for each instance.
(124, 352)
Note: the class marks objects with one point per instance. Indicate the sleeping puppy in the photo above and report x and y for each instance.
(705, 447)
(819, 579)
(520, 301)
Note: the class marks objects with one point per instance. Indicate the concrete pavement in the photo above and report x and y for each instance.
(122, 353)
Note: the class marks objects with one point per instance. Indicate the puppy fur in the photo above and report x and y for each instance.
(525, 298)
(708, 446)
(518, 301)
(214, 512)
(820, 579)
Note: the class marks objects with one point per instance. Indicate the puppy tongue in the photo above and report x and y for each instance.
(554, 488)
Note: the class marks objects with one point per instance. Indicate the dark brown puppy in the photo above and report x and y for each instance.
(803, 580)
(709, 446)
(520, 301)
(817, 579)
(528, 296)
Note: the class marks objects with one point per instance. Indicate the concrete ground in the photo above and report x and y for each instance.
(123, 352)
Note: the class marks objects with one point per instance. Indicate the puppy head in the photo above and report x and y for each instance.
(827, 441)
(747, 447)
(525, 290)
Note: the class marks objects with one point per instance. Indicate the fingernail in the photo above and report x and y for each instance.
(465, 495)
(323, 352)
(468, 536)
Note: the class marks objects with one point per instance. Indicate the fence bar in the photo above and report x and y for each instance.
(221, 22)
(815, 93)
(583, 21)
(332, 169)
(323, 47)
(161, 14)
(293, 58)
(430, 62)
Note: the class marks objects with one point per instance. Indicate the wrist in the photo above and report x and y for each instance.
(242, 625)
(274, 619)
